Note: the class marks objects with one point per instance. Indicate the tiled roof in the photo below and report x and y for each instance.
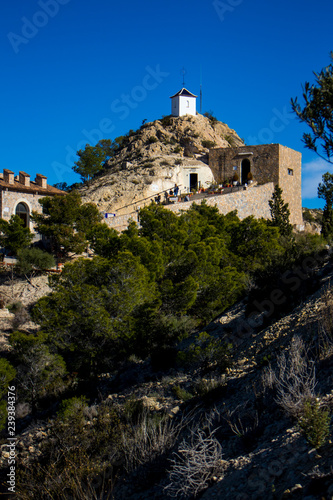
(33, 188)
(184, 92)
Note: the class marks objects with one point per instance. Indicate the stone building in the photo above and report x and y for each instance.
(264, 163)
(19, 195)
(183, 103)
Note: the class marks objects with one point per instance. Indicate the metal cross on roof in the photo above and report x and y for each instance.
(183, 72)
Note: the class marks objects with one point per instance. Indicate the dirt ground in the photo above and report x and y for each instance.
(18, 290)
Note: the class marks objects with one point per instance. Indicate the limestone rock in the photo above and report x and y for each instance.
(150, 160)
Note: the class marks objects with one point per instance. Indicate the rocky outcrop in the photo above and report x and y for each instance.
(153, 156)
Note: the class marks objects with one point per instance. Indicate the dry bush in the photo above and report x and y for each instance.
(294, 378)
(21, 317)
(195, 463)
(203, 386)
(242, 421)
(325, 326)
(98, 487)
(147, 439)
(80, 459)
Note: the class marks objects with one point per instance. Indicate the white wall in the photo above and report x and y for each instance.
(175, 106)
(205, 176)
(183, 105)
(180, 175)
(187, 106)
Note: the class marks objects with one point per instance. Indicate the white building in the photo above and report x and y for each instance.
(183, 103)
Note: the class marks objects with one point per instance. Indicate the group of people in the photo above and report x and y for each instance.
(167, 195)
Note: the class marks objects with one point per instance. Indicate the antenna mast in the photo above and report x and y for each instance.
(183, 72)
(200, 90)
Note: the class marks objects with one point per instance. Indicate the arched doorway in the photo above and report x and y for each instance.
(22, 210)
(246, 169)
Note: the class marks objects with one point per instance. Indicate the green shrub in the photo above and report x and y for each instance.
(7, 374)
(134, 409)
(204, 386)
(72, 409)
(230, 139)
(315, 423)
(206, 353)
(166, 121)
(208, 144)
(33, 259)
(79, 457)
(211, 117)
(152, 139)
(177, 149)
(181, 393)
(15, 307)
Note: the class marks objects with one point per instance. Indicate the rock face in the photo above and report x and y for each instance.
(152, 159)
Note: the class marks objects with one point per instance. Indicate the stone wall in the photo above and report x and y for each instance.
(290, 179)
(267, 163)
(263, 161)
(250, 201)
(10, 199)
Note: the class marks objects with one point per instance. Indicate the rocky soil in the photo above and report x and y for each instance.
(19, 291)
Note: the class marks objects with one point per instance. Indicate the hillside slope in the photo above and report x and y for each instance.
(264, 453)
(153, 155)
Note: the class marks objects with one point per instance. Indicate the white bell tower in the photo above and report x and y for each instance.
(183, 103)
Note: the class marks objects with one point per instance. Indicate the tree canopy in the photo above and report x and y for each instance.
(317, 113)
(325, 191)
(66, 221)
(92, 159)
(150, 285)
(280, 212)
(14, 235)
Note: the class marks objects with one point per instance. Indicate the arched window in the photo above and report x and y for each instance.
(23, 212)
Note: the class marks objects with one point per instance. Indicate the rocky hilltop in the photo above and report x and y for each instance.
(150, 159)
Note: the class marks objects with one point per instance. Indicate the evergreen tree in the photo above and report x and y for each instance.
(325, 191)
(327, 222)
(14, 235)
(66, 221)
(34, 259)
(91, 161)
(317, 113)
(280, 212)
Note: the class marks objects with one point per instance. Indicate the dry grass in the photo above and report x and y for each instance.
(194, 464)
(294, 378)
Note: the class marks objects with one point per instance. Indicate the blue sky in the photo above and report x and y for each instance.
(76, 71)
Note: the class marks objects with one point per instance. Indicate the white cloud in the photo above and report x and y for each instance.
(312, 175)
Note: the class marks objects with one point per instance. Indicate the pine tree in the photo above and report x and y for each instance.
(280, 212)
(325, 191)
(317, 113)
(327, 222)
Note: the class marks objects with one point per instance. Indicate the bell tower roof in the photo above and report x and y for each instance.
(184, 92)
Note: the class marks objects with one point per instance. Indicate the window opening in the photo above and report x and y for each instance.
(23, 212)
